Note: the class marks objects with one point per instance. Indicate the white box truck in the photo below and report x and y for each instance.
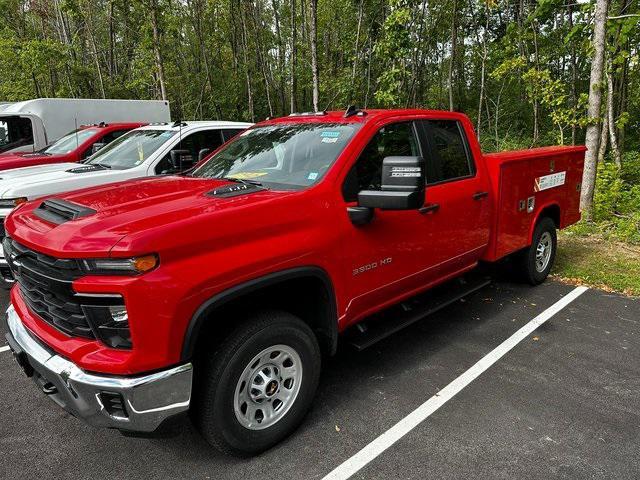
(33, 124)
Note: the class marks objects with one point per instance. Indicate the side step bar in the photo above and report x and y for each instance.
(368, 333)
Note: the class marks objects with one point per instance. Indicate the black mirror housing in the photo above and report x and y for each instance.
(391, 200)
(403, 181)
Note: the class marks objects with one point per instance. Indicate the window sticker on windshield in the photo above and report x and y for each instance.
(166, 134)
(140, 155)
(247, 175)
(312, 176)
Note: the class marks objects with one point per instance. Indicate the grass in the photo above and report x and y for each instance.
(591, 260)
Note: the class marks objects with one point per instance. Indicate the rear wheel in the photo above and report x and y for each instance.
(536, 261)
(257, 388)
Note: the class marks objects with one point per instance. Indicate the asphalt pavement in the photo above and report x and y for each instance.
(563, 403)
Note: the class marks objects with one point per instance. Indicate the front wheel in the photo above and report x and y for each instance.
(536, 261)
(257, 388)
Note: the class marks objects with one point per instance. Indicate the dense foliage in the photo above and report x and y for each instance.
(519, 68)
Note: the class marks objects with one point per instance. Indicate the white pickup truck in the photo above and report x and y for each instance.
(151, 150)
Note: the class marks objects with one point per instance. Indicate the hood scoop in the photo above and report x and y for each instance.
(60, 211)
(85, 169)
(234, 189)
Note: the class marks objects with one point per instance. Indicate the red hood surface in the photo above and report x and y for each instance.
(26, 159)
(145, 212)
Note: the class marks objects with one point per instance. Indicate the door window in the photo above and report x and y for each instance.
(194, 143)
(398, 139)
(449, 153)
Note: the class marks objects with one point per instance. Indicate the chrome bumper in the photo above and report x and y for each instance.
(147, 400)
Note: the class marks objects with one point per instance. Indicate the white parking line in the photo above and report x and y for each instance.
(4, 349)
(408, 423)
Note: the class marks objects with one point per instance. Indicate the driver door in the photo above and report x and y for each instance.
(391, 256)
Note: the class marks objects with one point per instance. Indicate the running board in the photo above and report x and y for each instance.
(368, 333)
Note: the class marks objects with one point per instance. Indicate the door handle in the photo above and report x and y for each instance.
(430, 207)
(480, 195)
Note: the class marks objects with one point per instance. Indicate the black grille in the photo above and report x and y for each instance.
(2, 230)
(45, 285)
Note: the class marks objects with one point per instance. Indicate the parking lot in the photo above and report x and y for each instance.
(562, 403)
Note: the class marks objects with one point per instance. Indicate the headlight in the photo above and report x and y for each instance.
(11, 202)
(110, 324)
(121, 266)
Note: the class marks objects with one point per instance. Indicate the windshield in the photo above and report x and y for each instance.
(131, 149)
(69, 142)
(15, 132)
(280, 156)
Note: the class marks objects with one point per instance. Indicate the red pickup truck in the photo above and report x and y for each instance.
(217, 291)
(73, 147)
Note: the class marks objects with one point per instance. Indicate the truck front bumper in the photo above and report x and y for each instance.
(6, 277)
(138, 404)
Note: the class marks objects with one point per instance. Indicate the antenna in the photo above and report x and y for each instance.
(75, 119)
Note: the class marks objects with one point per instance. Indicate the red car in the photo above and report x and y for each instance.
(217, 291)
(73, 147)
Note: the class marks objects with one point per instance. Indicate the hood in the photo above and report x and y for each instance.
(18, 160)
(41, 180)
(166, 207)
(35, 170)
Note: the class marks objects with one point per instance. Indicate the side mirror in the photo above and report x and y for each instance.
(181, 159)
(97, 146)
(203, 153)
(402, 185)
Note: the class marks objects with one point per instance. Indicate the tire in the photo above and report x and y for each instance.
(227, 413)
(534, 265)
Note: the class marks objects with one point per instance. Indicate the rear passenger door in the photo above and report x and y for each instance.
(458, 190)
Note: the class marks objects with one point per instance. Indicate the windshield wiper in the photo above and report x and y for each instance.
(245, 181)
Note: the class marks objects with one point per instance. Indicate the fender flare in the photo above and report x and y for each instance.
(329, 328)
(539, 215)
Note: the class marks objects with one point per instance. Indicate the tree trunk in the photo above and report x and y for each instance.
(574, 78)
(314, 53)
(281, 73)
(293, 60)
(604, 139)
(156, 48)
(593, 112)
(356, 53)
(452, 60)
(247, 74)
(610, 117)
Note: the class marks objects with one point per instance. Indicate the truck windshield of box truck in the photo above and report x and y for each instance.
(15, 132)
(285, 156)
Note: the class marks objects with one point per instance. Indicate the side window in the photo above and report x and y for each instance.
(449, 150)
(207, 139)
(398, 139)
(228, 134)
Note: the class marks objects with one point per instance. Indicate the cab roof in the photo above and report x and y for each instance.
(358, 116)
(195, 123)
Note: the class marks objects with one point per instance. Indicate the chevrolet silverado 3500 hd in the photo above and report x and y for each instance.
(218, 290)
